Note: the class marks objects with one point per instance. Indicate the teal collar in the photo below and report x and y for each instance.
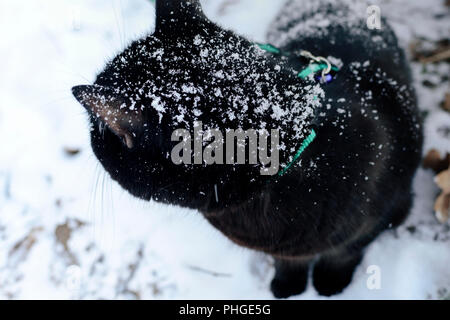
(316, 64)
(312, 136)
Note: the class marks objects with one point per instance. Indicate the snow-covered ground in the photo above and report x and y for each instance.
(68, 232)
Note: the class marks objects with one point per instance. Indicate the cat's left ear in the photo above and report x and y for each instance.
(175, 16)
(111, 110)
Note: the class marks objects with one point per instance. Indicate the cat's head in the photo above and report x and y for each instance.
(188, 70)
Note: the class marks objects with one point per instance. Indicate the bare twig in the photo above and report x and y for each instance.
(212, 273)
(444, 55)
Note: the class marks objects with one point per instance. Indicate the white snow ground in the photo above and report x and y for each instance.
(68, 232)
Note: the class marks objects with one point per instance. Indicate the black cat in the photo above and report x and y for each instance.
(351, 183)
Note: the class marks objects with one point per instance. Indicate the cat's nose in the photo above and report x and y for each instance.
(79, 91)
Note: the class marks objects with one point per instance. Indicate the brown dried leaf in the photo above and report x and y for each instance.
(442, 207)
(21, 249)
(63, 233)
(434, 161)
(71, 151)
(446, 103)
(443, 181)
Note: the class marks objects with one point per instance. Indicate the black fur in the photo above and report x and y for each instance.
(354, 180)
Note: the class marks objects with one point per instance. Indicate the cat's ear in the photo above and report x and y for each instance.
(171, 15)
(111, 110)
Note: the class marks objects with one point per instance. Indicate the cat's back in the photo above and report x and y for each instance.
(374, 73)
(336, 28)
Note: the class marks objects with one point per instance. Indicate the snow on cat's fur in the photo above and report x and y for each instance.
(352, 183)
